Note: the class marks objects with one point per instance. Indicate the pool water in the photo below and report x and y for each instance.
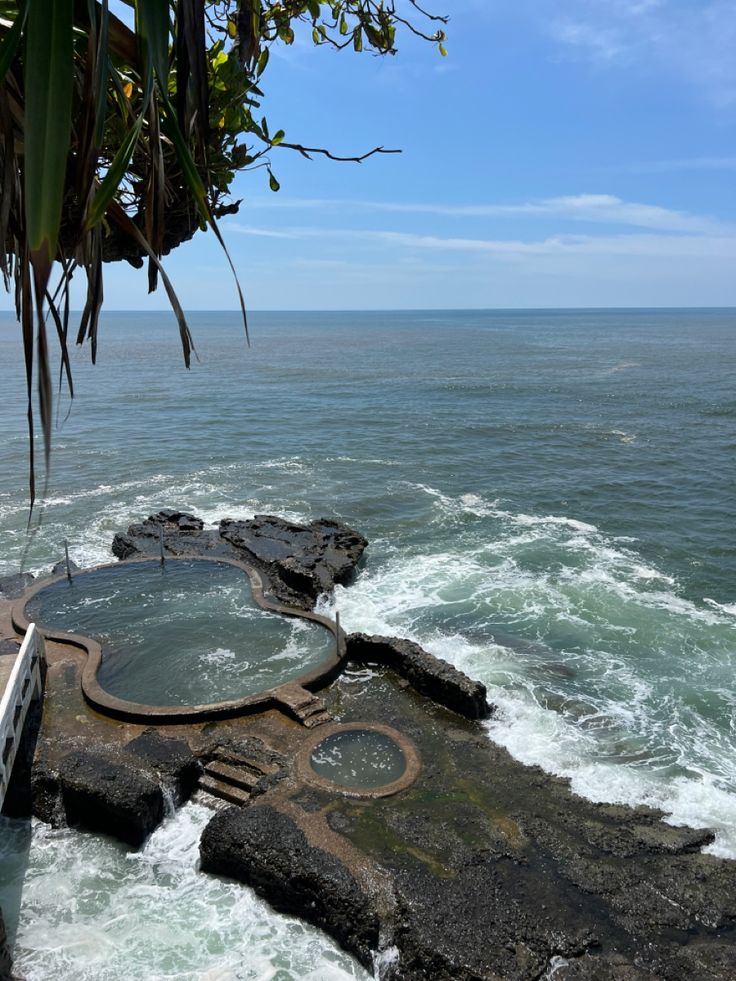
(360, 758)
(185, 633)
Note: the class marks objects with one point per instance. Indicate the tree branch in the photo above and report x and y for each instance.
(307, 150)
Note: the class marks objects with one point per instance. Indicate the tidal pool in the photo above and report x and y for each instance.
(185, 633)
(359, 758)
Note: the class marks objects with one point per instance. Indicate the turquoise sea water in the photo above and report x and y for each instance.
(550, 499)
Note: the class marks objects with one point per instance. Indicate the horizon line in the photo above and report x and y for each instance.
(531, 309)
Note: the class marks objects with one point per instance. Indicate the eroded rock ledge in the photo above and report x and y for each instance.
(427, 674)
(486, 870)
(481, 870)
(6, 961)
(266, 849)
(299, 562)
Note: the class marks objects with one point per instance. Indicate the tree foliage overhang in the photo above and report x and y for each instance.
(118, 142)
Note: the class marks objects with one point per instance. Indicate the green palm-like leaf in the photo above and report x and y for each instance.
(11, 43)
(118, 143)
(49, 77)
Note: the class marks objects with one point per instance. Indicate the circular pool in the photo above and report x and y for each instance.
(361, 760)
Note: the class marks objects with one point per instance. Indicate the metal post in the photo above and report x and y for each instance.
(337, 631)
(66, 557)
(161, 542)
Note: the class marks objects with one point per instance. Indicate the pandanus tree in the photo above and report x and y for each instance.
(122, 127)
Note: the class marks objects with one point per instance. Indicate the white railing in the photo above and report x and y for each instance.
(23, 686)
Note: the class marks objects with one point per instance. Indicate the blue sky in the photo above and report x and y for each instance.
(565, 153)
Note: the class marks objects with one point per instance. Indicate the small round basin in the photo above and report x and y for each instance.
(360, 760)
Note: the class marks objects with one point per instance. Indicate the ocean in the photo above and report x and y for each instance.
(550, 500)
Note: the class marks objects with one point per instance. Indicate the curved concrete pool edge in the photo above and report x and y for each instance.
(102, 701)
(412, 761)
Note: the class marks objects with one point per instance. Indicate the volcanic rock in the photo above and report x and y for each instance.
(6, 961)
(11, 587)
(172, 760)
(298, 562)
(108, 796)
(59, 568)
(429, 675)
(266, 849)
(308, 559)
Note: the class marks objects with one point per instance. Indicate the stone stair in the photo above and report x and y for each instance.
(304, 706)
(232, 779)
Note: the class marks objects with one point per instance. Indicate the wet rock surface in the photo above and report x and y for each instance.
(308, 559)
(490, 869)
(6, 962)
(172, 761)
(429, 675)
(267, 850)
(298, 562)
(482, 869)
(105, 795)
(60, 568)
(11, 587)
(118, 789)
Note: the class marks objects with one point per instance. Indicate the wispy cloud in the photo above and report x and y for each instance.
(687, 163)
(260, 232)
(613, 245)
(691, 40)
(644, 245)
(605, 209)
(601, 43)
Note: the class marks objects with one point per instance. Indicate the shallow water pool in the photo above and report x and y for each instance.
(185, 633)
(360, 758)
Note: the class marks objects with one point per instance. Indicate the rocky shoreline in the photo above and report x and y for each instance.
(481, 869)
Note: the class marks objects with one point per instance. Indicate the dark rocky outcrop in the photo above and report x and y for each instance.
(119, 790)
(106, 795)
(144, 538)
(429, 675)
(266, 849)
(6, 961)
(308, 559)
(60, 568)
(46, 793)
(11, 587)
(298, 562)
(171, 759)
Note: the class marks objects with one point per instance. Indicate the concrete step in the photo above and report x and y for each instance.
(314, 708)
(239, 776)
(318, 719)
(257, 767)
(307, 708)
(225, 791)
